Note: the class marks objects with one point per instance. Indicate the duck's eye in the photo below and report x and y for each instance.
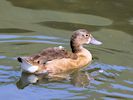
(87, 35)
(38, 62)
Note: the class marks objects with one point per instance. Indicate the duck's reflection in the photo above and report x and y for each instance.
(27, 79)
(78, 79)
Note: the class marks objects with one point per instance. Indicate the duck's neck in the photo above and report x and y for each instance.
(75, 47)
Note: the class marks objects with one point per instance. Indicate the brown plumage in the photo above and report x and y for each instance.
(51, 54)
(57, 60)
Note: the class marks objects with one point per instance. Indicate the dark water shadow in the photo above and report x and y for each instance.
(22, 43)
(116, 97)
(125, 27)
(14, 30)
(119, 11)
(68, 26)
(78, 79)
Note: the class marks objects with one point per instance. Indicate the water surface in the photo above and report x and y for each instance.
(28, 26)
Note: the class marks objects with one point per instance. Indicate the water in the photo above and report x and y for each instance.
(28, 26)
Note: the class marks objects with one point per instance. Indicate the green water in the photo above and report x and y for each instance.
(28, 26)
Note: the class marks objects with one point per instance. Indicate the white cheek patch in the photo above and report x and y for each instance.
(89, 40)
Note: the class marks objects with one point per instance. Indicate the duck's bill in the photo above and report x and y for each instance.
(95, 42)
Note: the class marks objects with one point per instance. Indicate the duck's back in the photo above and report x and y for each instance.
(50, 54)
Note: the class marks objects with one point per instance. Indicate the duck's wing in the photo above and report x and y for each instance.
(50, 54)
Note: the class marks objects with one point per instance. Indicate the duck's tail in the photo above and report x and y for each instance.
(26, 66)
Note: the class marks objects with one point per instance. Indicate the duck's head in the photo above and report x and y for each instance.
(80, 37)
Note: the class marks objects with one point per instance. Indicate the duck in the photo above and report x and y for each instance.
(57, 60)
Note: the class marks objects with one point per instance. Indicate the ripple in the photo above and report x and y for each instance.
(39, 39)
(109, 67)
(4, 36)
(129, 82)
(43, 37)
(32, 41)
(2, 57)
(121, 87)
(115, 94)
(7, 74)
(108, 78)
(3, 67)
